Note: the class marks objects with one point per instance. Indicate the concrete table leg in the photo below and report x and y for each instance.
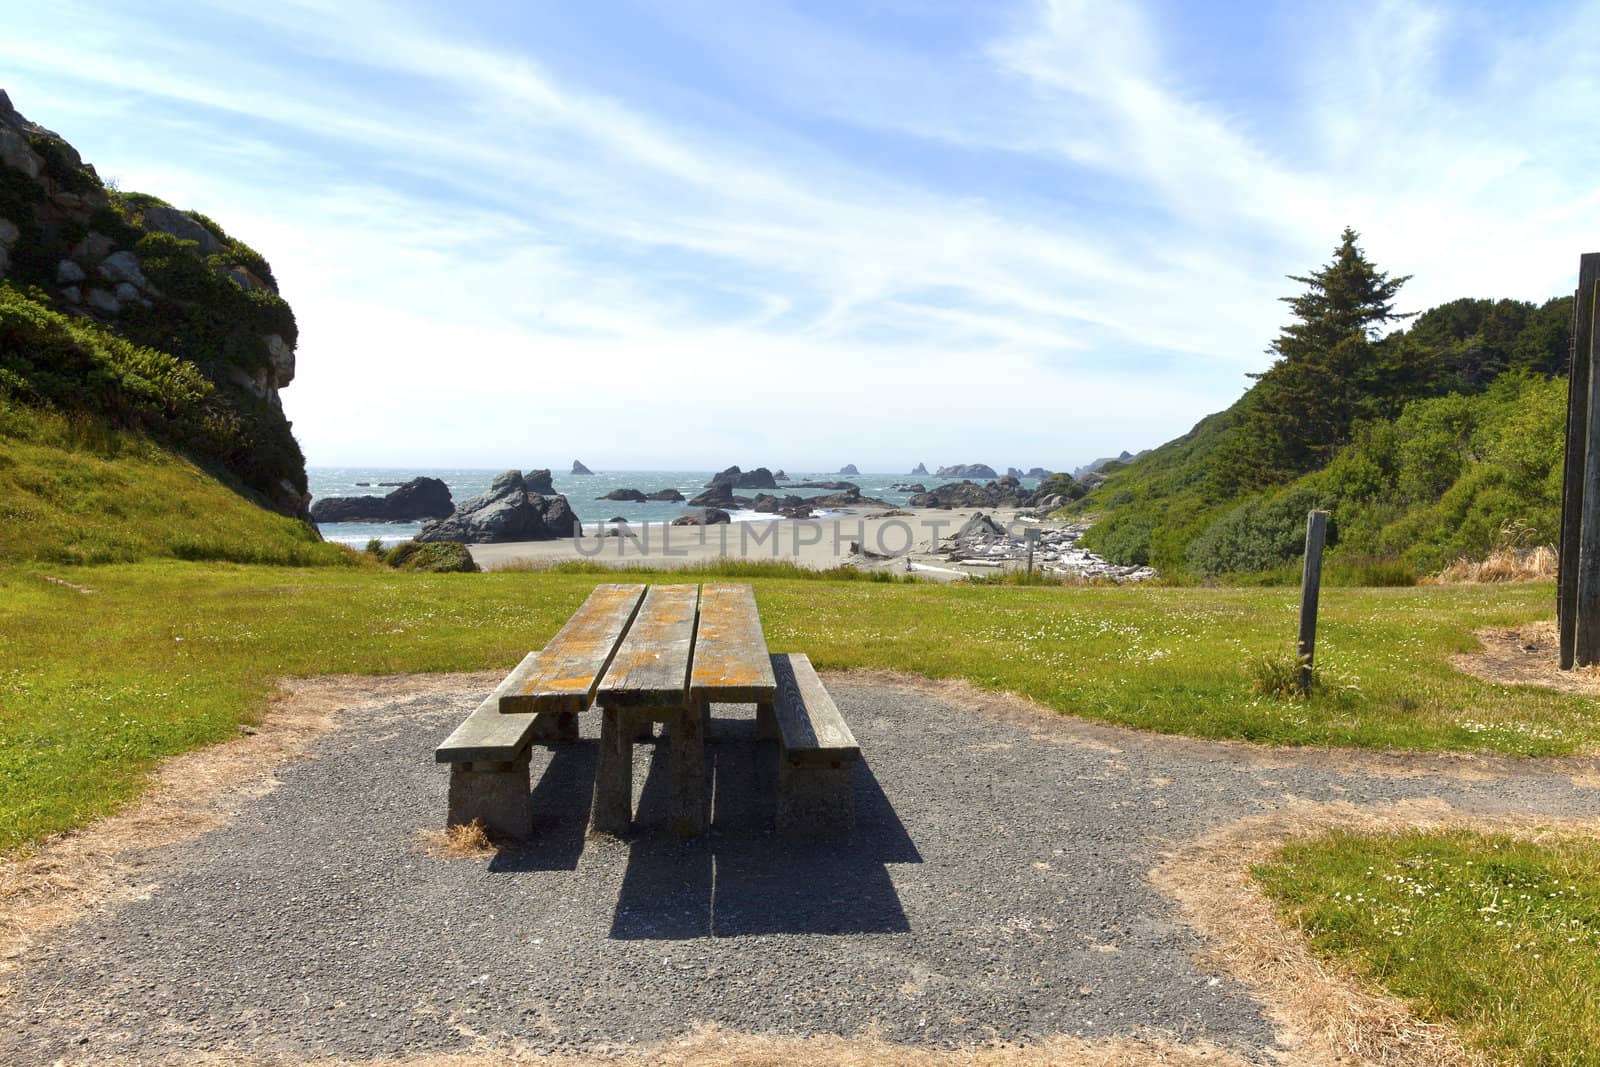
(494, 793)
(613, 779)
(705, 719)
(688, 771)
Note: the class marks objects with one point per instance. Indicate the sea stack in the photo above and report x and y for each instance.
(579, 468)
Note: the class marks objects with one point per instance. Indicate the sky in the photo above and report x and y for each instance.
(687, 234)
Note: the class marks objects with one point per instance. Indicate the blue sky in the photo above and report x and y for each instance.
(882, 232)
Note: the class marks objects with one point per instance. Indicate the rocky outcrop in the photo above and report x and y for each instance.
(161, 277)
(734, 478)
(538, 481)
(579, 468)
(779, 475)
(849, 470)
(980, 525)
(1002, 492)
(636, 496)
(908, 487)
(850, 498)
(706, 517)
(1038, 472)
(506, 512)
(967, 470)
(838, 487)
(920, 468)
(720, 495)
(420, 498)
(1103, 462)
(790, 507)
(1053, 492)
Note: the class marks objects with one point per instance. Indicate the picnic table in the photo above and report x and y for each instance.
(643, 655)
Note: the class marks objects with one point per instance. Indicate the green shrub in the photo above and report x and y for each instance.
(435, 557)
(59, 166)
(1256, 536)
(1277, 675)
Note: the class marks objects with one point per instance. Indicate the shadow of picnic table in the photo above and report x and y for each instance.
(741, 878)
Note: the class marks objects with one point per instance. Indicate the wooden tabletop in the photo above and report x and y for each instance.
(566, 676)
(731, 664)
(664, 645)
(652, 663)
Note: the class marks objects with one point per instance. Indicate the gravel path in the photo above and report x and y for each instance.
(994, 889)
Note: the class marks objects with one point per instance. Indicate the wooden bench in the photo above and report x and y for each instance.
(538, 701)
(488, 757)
(817, 753)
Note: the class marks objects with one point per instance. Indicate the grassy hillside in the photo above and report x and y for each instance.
(117, 452)
(1449, 441)
(72, 490)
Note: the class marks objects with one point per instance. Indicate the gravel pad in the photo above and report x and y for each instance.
(993, 889)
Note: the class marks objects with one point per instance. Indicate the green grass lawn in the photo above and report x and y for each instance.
(1500, 937)
(169, 655)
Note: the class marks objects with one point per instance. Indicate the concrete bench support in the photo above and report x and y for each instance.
(488, 757)
(817, 753)
(816, 800)
(493, 792)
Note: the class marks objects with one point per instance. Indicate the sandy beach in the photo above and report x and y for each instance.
(905, 541)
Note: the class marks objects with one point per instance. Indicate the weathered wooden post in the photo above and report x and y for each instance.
(1586, 605)
(1031, 536)
(1573, 494)
(1310, 588)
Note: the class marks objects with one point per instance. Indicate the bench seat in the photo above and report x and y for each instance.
(817, 753)
(488, 757)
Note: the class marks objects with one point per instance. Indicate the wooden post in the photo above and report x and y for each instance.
(1310, 588)
(1572, 481)
(1586, 605)
(1031, 536)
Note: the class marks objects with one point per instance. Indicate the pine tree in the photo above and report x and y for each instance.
(1331, 371)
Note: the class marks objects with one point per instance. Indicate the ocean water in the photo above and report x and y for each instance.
(580, 491)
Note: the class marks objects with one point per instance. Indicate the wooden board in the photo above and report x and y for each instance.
(652, 664)
(572, 664)
(488, 735)
(809, 724)
(731, 664)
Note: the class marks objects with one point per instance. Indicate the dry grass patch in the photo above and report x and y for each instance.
(1527, 655)
(461, 842)
(1324, 1014)
(1514, 558)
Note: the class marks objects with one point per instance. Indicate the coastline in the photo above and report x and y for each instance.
(907, 541)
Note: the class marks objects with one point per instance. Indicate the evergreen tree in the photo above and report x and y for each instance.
(1331, 371)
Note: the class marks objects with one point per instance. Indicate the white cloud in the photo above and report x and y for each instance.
(498, 259)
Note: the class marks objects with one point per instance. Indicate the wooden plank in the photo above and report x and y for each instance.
(488, 735)
(1310, 589)
(652, 663)
(1572, 488)
(731, 664)
(576, 658)
(809, 724)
